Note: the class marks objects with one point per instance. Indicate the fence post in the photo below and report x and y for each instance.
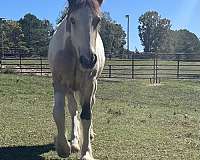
(178, 67)
(110, 56)
(20, 63)
(156, 56)
(133, 65)
(154, 67)
(110, 71)
(41, 65)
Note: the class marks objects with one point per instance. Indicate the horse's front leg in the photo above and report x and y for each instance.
(87, 95)
(92, 133)
(75, 133)
(62, 146)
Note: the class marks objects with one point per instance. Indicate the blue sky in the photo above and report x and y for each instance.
(184, 14)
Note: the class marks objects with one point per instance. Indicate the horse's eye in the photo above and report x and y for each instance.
(96, 21)
(72, 20)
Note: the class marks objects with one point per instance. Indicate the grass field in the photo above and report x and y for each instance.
(132, 119)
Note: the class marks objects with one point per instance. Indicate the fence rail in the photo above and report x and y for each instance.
(141, 66)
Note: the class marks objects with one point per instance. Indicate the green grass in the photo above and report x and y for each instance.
(132, 120)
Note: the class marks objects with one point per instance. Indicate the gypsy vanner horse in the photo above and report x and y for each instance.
(76, 58)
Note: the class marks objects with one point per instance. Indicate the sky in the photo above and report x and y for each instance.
(184, 14)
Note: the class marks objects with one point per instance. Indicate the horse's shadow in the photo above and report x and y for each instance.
(24, 152)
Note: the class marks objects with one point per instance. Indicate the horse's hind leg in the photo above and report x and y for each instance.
(73, 109)
(62, 146)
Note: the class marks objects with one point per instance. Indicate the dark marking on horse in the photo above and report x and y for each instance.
(86, 112)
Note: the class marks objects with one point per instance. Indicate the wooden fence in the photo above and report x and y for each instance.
(154, 67)
(141, 66)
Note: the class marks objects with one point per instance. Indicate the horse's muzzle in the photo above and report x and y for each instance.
(88, 63)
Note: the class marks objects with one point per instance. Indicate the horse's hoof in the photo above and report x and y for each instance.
(63, 148)
(87, 156)
(75, 148)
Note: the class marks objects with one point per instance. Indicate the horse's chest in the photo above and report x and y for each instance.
(76, 80)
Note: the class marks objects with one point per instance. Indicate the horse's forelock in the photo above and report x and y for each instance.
(76, 4)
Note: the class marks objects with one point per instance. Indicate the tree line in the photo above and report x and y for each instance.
(28, 35)
(156, 35)
(32, 35)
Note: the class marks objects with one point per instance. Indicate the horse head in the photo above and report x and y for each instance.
(82, 23)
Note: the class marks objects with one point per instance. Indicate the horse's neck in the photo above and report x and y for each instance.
(61, 32)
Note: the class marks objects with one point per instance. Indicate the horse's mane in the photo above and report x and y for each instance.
(93, 4)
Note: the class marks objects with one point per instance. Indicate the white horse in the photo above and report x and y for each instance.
(76, 57)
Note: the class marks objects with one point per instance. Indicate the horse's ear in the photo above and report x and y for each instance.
(100, 2)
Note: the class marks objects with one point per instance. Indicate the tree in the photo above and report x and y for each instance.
(29, 24)
(12, 36)
(15, 35)
(41, 37)
(36, 33)
(3, 38)
(153, 31)
(186, 41)
(112, 34)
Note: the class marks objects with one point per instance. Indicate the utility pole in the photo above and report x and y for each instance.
(128, 47)
(128, 31)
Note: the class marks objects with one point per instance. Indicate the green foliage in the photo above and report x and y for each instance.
(153, 31)
(112, 34)
(186, 41)
(31, 34)
(156, 36)
(36, 33)
(12, 35)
